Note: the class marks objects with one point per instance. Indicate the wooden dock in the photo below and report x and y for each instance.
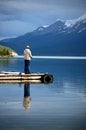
(17, 77)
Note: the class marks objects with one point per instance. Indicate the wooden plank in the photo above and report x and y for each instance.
(19, 73)
(14, 77)
(21, 81)
(19, 77)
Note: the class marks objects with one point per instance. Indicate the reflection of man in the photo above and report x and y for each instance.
(26, 101)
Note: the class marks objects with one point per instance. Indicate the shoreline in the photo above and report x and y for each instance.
(7, 56)
(13, 54)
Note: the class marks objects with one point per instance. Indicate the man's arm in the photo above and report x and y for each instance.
(30, 54)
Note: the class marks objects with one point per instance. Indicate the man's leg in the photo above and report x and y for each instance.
(26, 70)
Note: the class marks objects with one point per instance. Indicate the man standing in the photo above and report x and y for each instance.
(27, 58)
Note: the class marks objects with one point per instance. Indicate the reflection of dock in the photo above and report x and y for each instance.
(17, 77)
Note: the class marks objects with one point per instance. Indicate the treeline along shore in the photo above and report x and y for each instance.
(7, 52)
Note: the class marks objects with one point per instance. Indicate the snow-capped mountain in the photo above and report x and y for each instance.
(60, 38)
(64, 26)
(57, 26)
(77, 25)
(71, 23)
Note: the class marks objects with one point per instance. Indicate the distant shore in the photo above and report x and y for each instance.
(13, 54)
(7, 56)
(6, 52)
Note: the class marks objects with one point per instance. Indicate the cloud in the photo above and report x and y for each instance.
(24, 10)
(15, 9)
(13, 28)
(20, 16)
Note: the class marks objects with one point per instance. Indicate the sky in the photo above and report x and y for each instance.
(18, 17)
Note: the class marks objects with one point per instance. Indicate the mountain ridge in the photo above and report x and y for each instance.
(60, 38)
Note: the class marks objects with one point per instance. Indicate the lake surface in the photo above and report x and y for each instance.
(60, 105)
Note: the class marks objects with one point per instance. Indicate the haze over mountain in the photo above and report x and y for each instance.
(60, 38)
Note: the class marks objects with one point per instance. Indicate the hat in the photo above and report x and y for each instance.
(27, 46)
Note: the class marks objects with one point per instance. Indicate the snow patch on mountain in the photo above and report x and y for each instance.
(82, 18)
(45, 26)
(41, 28)
(71, 23)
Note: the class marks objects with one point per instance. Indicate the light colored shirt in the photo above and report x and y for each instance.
(27, 54)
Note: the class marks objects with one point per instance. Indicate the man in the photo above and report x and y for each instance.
(27, 58)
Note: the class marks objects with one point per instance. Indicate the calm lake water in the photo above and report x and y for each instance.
(60, 105)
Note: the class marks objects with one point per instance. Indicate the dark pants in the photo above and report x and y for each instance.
(26, 66)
